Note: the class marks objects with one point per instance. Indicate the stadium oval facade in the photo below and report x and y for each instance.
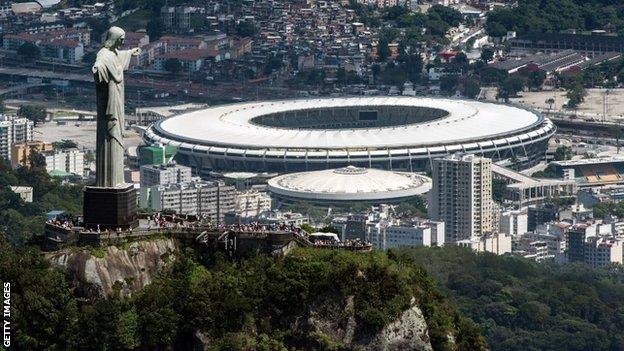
(401, 133)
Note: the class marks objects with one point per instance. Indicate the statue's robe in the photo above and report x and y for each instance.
(109, 79)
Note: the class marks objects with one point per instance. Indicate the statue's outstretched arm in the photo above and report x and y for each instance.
(125, 55)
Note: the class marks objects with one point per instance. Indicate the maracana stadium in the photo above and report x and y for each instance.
(394, 133)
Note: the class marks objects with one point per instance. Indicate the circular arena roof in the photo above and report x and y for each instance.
(349, 184)
(390, 132)
(241, 125)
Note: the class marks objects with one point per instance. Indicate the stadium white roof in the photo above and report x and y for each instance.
(231, 126)
(350, 183)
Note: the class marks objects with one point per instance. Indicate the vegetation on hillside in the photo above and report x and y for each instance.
(244, 305)
(20, 220)
(524, 305)
(556, 15)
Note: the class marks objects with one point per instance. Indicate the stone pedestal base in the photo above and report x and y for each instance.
(110, 208)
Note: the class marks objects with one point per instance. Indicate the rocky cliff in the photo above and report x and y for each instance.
(334, 321)
(330, 324)
(104, 271)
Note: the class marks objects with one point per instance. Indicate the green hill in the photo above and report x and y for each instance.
(523, 305)
(310, 300)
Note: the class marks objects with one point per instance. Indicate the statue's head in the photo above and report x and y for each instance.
(114, 38)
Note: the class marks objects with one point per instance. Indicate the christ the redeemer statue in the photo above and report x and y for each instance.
(108, 69)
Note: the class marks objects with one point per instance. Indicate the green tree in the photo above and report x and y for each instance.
(471, 88)
(29, 51)
(246, 29)
(535, 79)
(158, 320)
(89, 157)
(98, 27)
(550, 102)
(43, 313)
(487, 54)
(155, 28)
(576, 95)
(524, 305)
(461, 59)
(126, 330)
(498, 189)
(511, 87)
(495, 29)
(308, 228)
(549, 172)
(394, 12)
(447, 14)
(563, 153)
(35, 113)
(65, 144)
(383, 50)
(173, 66)
(448, 84)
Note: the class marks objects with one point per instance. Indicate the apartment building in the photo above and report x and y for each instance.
(252, 202)
(514, 223)
(461, 196)
(14, 130)
(20, 152)
(498, 243)
(68, 161)
(66, 45)
(418, 233)
(158, 174)
(601, 251)
(209, 199)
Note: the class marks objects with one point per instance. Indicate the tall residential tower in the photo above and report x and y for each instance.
(461, 196)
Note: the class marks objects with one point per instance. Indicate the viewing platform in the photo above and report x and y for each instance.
(234, 240)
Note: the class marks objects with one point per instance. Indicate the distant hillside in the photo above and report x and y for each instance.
(523, 305)
(557, 15)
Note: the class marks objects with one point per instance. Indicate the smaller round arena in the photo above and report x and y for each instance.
(347, 186)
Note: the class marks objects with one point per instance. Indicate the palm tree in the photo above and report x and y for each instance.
(550, 102)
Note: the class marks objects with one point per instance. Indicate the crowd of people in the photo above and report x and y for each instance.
(357, 243)
(64, 222)
(159, 221)
(255, 227)
(349, 243)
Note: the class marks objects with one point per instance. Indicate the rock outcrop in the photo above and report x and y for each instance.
(124, 270)
(336, 320)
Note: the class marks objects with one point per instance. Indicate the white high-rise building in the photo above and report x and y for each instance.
(425, 233)
(514, 223)
(210, 199)
(601, 251)
(14, 130)
(461, 196)
(164, 174)
(252, 202)
(68, 161)
(498, 243)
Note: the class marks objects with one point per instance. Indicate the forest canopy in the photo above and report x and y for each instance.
(557, 15)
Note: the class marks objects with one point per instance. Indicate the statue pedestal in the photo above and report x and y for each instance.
(110, 208)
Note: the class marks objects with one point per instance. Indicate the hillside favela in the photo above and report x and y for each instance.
(331, 175)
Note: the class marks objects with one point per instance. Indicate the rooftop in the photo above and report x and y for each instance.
(463, 121)
(350, 183)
